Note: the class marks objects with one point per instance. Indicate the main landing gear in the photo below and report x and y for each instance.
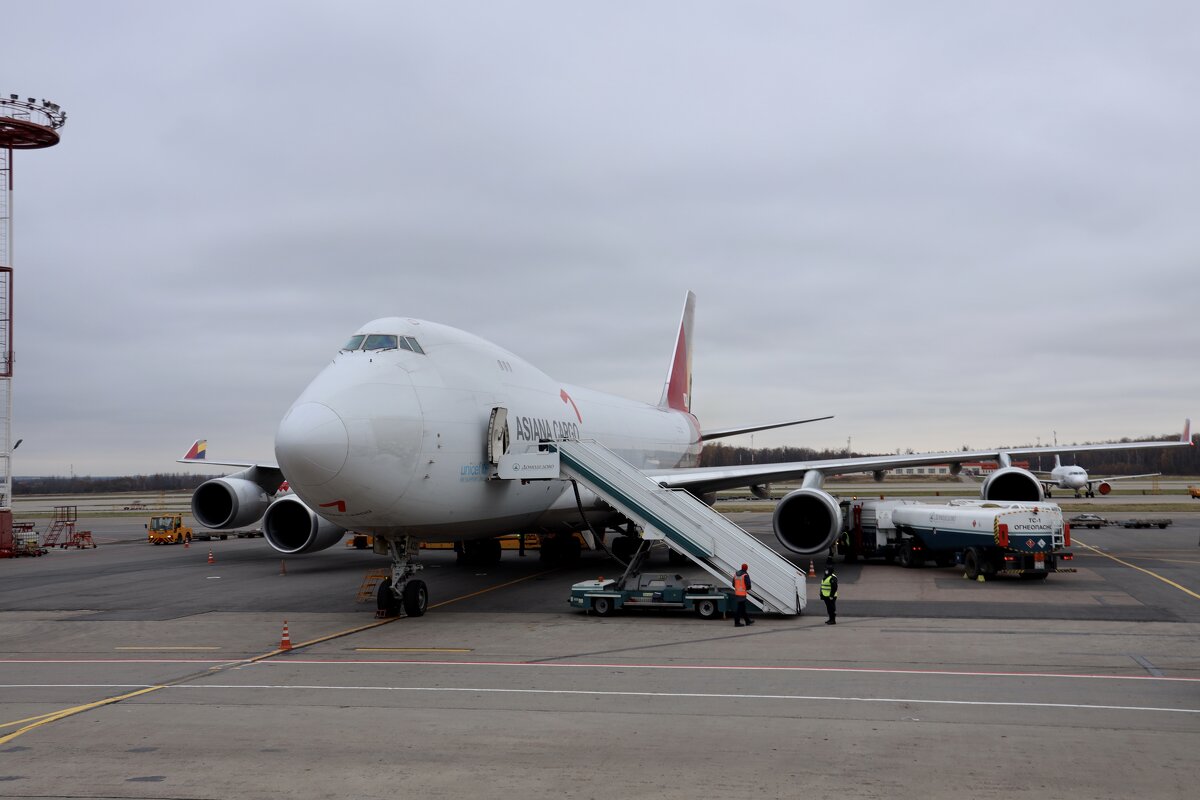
(402, 590)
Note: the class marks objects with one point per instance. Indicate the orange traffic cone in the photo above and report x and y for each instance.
(812, 569)
(286, 642)
(282, 567)
(211, 560)
(187, 543)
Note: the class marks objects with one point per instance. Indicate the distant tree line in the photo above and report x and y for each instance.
(1168, 461)
(86, 484)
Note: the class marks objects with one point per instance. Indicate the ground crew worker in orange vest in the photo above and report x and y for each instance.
(741, 587)
(829, 594)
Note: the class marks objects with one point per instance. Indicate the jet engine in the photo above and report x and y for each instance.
(1012, 483)
(807, 521)
(1103, 487)
(229, 502)
(291, 527)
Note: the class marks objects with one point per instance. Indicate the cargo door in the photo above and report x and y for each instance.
(497, 439)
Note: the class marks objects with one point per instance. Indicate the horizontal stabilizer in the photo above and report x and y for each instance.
(721, 433)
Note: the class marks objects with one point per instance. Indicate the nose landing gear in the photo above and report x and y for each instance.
(402, 591)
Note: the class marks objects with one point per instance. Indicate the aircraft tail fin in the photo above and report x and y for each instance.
(197, 452)
(1187, 431)
(677, 391)
(1057, 460)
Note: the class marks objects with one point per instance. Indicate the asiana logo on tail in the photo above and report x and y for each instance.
(534, 429)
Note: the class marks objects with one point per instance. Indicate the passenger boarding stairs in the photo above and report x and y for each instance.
(685, 524)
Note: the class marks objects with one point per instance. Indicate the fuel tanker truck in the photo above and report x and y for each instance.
(987, 537)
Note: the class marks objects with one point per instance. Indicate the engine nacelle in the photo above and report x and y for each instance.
(1103, 487)
(1012, 483)
(807, 521)
(291, 527)
(231, 502)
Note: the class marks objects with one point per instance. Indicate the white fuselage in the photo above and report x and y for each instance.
(395, 441)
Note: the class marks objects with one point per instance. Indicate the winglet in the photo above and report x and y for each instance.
(677, 391)
(199, 448)
(1187, 431)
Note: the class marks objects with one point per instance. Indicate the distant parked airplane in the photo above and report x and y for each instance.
(1076, 479)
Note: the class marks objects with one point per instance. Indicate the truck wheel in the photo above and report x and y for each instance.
(416, 598)
(603, 606)
(706, 609)
(905, 557)
(971, 563)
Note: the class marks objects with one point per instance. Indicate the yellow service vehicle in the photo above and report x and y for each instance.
(168, 529)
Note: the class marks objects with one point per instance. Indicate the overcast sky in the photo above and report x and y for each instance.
(946, 223)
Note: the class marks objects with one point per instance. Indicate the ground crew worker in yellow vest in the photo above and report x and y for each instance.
(829, 594)
(741, 587)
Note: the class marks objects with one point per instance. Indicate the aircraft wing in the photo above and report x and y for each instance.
(198, 454)
(710, 479)
(1093, 482)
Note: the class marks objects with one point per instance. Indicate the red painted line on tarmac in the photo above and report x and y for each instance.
(727, 668)
(4, 661)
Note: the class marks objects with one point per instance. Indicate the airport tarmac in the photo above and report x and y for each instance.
(146, 672)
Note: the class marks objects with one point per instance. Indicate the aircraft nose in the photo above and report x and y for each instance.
(311, 444)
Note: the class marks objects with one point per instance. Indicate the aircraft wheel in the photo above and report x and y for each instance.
(385, 599)
(603, 606)
(493, 551)
(571, 550)
(416, 598)
(706, 609)
(623, 547)
(971, 563)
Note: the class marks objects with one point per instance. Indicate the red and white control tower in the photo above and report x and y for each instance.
(25, 124)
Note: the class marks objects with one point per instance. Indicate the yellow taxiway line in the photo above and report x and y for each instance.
(1167, 581)
(54, 716)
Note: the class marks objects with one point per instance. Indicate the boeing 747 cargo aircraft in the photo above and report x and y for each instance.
(400, 435)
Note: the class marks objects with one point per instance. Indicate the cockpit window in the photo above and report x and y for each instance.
(380, 341)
